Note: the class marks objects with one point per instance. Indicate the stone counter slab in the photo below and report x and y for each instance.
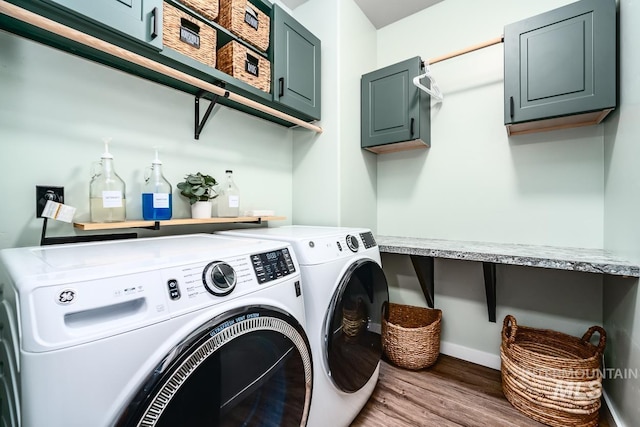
(559, 258)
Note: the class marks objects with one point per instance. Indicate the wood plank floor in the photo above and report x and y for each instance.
(451, 393)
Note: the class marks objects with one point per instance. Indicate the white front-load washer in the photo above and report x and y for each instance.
(345, 292)
(195, 330)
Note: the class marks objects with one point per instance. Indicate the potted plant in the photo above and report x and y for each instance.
(199, 189)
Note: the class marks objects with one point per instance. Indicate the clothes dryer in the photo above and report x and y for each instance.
(345, 291)
(171, 331)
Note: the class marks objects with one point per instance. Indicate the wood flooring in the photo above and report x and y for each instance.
(451, 393)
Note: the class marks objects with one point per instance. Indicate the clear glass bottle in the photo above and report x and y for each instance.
(107, 191)
(229, 200)
(157, 200)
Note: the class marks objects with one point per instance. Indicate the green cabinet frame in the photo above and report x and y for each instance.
(296, 65)
(560, 64)
(395, 114)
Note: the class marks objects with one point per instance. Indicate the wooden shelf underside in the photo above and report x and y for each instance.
(88, 226)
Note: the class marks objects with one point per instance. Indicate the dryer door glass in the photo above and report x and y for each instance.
(353, 326)
(249, 369)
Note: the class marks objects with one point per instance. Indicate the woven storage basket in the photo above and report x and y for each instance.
(240, 62)
(188, 35)
(552, 377)
(207, 8)
(247, 22)
(411, 335)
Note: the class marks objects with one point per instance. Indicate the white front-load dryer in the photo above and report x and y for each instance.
(194, 330)
(345, 292)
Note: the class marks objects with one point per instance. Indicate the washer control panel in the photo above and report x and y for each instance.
(272, 265)
(367, 240)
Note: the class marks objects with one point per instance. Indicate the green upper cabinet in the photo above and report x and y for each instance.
(560, 67)
(395, 114)
(296, 65)
(138, 19)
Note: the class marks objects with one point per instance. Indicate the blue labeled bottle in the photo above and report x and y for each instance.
(157, 200)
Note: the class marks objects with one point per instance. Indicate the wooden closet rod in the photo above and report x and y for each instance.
(467, 50)
(95, 43)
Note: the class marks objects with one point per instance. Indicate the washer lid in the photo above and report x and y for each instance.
(41, 265)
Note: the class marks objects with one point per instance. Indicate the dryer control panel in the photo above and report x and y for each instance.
(272, 265)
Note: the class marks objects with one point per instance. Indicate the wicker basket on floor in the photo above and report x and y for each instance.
(411, 335)
(246, 21)
(552, 377)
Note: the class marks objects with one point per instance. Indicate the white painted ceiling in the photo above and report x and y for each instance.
(382, 12)
(385, 12)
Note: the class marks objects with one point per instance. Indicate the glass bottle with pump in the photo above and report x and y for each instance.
(157, 201)
(106, 190)
(229, 200)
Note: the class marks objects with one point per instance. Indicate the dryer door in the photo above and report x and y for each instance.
(249, 368)
(353, 326)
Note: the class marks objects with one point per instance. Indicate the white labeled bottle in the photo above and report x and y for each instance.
(157, 201)
(229, 200)
(107, 191)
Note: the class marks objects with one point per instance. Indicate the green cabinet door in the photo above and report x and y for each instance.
(296, 65)
(561, 63)
(138, 19)
(395, 114)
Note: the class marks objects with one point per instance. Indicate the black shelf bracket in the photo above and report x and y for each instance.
(45, 241)
(423, 265)
(200, 124)
(489, 270)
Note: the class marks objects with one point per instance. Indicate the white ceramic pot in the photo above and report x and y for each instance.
(201, 210)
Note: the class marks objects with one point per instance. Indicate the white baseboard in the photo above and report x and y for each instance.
(612, 411)
(483, 358)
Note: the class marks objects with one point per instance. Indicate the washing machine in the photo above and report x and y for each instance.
(194, 330)
(345, 291)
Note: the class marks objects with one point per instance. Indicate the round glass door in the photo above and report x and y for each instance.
(252, 368)
(353, 326)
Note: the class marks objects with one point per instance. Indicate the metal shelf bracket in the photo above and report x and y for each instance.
(200, 124)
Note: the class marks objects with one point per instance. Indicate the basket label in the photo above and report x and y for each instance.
(251, 65)
(190, 37)
(251, 18)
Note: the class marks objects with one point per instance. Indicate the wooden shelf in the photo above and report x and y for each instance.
(89, 226)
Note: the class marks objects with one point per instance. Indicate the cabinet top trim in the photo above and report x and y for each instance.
(108, 48)
(558, 258)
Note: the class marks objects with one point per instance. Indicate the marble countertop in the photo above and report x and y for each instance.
(559, 258)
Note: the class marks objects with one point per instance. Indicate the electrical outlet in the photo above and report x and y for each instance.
(45, 193)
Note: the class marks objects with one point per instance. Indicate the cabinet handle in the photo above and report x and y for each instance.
(411, 126)
(154, 25)
(281, 86)
(511, 108)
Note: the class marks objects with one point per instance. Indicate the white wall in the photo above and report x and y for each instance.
(55, 108)
(621, 230)
(334, 180)
(477, 184)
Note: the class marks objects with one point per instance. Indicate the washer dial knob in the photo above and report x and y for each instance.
(219, 278)
(352, 243)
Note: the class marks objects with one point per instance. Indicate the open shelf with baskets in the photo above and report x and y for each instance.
(97, 41)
